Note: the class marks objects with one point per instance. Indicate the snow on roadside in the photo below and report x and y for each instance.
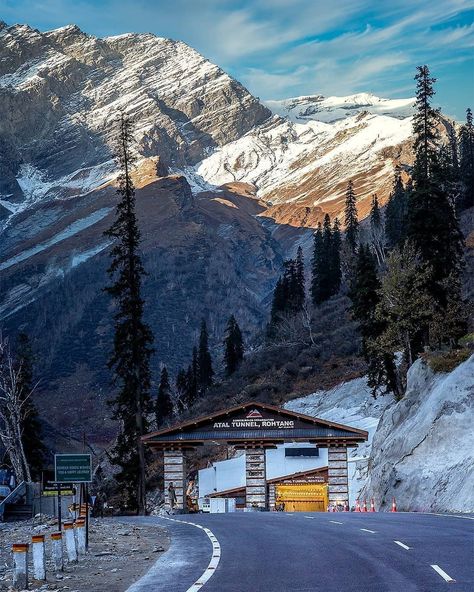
(423, 451)
(350, 403)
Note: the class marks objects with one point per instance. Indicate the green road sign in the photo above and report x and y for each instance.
(72, 468)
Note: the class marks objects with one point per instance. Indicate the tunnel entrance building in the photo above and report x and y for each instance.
(256, 427)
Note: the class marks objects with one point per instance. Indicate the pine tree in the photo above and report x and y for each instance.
(365, 297)
(432, 225)
(299, 281)
(396, 214)
(335, 262)
(377, 230)
(163, 404)
(206, 373)
(192, 380)
(233, 346)
(130, 360)
(316, 264)
(424, 128)
(466, 148)
(181, 390)
(33, 446)
(325, 267)
(350, 218)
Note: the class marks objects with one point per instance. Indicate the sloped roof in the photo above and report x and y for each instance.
(263, 423)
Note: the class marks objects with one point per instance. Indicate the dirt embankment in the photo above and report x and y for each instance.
(119, 554)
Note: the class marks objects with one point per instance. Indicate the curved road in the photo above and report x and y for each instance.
(334, 552)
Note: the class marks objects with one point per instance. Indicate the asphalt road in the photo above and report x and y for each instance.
(333, 552)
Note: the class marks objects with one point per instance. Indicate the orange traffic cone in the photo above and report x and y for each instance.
(394, 506)
(357, 506)
(372, 505)
(364, 507)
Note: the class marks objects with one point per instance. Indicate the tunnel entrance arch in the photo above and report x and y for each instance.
(255, 427)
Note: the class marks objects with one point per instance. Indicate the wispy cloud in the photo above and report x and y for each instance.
(280, 48)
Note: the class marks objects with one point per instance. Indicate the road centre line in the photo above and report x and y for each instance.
(310, 517)
(442, 573)
(402, 545)
(367, 530)
(336, 522)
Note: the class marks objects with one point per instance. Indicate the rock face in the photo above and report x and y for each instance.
(61, 92)
(223, 187)
(423, 450)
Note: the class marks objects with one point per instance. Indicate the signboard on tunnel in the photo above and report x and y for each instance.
(254, 419)
(72, 468)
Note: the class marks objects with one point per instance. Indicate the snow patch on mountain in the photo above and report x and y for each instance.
(72, 229)
(331, 109)
(281, 154)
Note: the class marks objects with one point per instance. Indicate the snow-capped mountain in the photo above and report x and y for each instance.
(331, 109)
(209, 248)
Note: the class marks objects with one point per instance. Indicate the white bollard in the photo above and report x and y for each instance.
(57, 551)
(81, 537)
(39, 562)
(70, 542)
(20, 566)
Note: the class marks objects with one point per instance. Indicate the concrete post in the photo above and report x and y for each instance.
(174, 475)
(255, 479)
(338, 485)
(20, 566)
(39, 559)
(272, 497)
(81, 537)
(57, 551)
(70, 542)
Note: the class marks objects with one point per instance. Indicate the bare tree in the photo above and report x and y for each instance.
(13, 407)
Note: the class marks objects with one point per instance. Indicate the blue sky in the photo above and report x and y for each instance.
(285, 48)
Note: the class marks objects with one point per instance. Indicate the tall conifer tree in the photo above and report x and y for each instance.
(377, 230)
(163, 404)
(466, 147)
(33, 446)
(130, 359)
(233, 346)
(316, 263)
(350, 217)
(395, 214)
(336, 257)
(206, 373)
(432, 225)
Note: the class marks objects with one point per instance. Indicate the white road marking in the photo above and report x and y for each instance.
(435, 514)
(310, 517)
(402, 545)
(215, 558)
(367, 530)
(442, 573)
(336, 522)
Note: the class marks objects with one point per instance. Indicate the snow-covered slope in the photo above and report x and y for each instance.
(350, 403)
(62, 91)
(423, 450)
(330, 109)
(302, 169)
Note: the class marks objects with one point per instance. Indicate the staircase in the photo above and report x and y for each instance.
(17, 505)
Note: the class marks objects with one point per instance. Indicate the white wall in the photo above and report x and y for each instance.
(230, 474)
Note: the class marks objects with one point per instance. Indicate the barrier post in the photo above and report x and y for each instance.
(20, 566)
(57, 551)
(39, 560)
(81, 537)
(70, 542)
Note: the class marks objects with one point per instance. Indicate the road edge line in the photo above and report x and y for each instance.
(215, 557)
